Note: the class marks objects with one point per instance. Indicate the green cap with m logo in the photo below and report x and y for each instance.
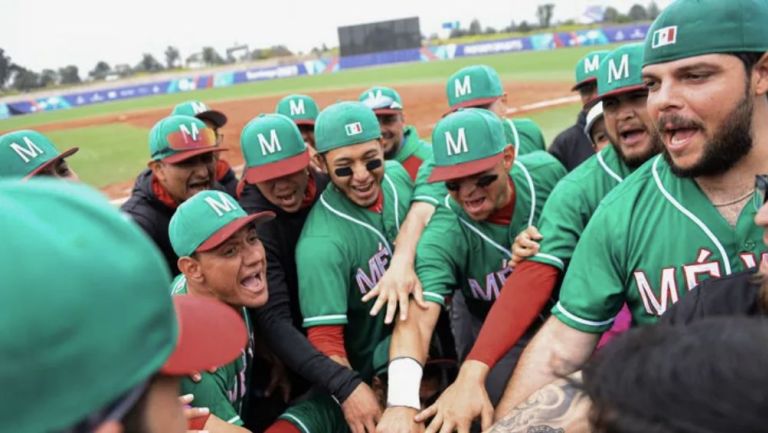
(621, 71)
(206, 220)
(272, 147)
(201, 111)
(301, 109)
(473, 86)
(382, 100)
(466, 142)
(588, 67)
(345, 124)
(178, 137)
(689, 28)
(26, 153)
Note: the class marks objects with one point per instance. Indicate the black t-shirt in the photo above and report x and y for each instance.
(735, 295)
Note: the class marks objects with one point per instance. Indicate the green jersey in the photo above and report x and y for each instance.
(651, 240)
(572, 203)
(456, 252)
(413, 151)
(342, 253)
(524, 134)
(222, 391)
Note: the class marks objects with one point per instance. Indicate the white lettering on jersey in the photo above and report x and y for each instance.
(377, 265)
(668, 292)
(750, 260)
(493, 282)
(454, 147)
(701, 268)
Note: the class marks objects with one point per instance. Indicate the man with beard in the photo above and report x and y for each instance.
(278, 179)
(215, 120)
(344, 248)
(401, 142)
(563, 219)
(683, 217)
(479, 86)
(182, 150)
(492, 196)
(571, 147)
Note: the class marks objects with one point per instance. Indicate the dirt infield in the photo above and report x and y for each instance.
(424, 105)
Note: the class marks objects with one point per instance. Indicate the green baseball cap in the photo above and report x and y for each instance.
(85, 309)
(688, 28)
(300, 108)
(272, 147)
(345, 124)
(206, 220)
(27, 153)
(621, 71)
(466, 142)
(473, 86)
(588, 67)
(201, 111)
(382, 100)
(178, 137)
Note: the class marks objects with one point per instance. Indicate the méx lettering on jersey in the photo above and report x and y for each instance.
(692, 273)
(377, 265)
(494, 281)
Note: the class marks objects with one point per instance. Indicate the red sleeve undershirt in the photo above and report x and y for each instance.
(524, 294)
(328, 339)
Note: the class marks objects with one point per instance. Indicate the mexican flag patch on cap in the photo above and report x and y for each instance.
(664, 37)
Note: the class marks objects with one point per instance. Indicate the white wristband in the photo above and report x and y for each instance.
(404, 383)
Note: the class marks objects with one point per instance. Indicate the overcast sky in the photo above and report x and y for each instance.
(53, 33)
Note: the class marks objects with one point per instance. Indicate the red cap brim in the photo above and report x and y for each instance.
(184, 155)
(474, 103)
(277, 169)
(385, 111)
(616, 92)
(228, 230)
(582, 83)
(211, 334)
(440, 174)
(52, 161)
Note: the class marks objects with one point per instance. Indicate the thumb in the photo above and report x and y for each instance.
(418, 295)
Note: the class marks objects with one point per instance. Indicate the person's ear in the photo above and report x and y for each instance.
(760, 75)
(504, 98)
(157, 169)
(109, 427)
(509, 157)
(191, 269)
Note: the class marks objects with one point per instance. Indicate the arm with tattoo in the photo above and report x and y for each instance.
(560, 407)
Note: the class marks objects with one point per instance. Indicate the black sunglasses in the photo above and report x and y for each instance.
(761, 187)
(347, 171)
(481, 182)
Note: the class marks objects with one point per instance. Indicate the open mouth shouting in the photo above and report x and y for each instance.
(366, 192)
(678, 133)
(632, 135)
(475, 205)
(289, 199)
(254, 282)
(197, 185)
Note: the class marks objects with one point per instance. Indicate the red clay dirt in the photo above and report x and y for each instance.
(424, 106)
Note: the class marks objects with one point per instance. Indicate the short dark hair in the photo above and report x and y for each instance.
(709, 376)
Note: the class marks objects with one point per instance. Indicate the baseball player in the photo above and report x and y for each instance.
(182, 149)
(685, 216)
(346, 244)
(479, 86)
(215, 120)
(221, 257)
(401, 142)
(303, 110)
(570, 147)
(595, 127)
(492, 195)
(101, 360)
(278, 179)
(27, 153)
(566, 213)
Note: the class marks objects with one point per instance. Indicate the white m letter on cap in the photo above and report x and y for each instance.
(297, 107)
(192, 132)
(463, 87)
(220, 207)
(454, 147)
(27, 153)
(271, 146)
(618, 73)
(198, 107)
(591, 64)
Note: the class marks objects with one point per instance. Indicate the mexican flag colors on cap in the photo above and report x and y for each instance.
(466, 142)
(689, 28)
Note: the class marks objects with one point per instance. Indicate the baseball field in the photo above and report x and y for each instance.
(113, 136)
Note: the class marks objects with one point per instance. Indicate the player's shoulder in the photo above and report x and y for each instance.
(539, 163)
(524, 123)
(395, 170)
(631, 191)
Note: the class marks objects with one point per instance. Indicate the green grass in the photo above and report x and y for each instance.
(108, 153)
(555, 120)
(554, 65)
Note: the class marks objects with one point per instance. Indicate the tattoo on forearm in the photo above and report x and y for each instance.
(548, 410)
